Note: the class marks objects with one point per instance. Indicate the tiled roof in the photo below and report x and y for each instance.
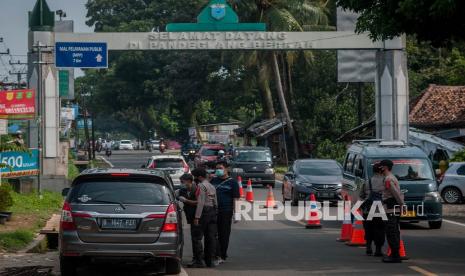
(439, 106)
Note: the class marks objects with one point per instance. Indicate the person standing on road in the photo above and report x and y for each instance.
(374, 229)
(205, 220)
(227, 190)
(393, 199)
(187, 195)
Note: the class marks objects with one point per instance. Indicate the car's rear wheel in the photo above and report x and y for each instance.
(452, 195)
(68, 266)
(172, 266)
(435, 224)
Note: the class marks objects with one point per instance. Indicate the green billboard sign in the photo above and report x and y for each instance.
(63, 83)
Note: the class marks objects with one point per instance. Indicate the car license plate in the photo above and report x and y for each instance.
(325, 195)
(119, 224)
(409, 214)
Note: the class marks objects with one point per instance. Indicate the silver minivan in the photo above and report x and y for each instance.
(119, 215)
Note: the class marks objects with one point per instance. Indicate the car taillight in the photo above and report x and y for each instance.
(67, 222)
(67, 217)
(120, 174)
(171, 220)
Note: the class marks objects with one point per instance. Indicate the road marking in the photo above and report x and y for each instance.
(422, 271)
(183, 272)
(454, 222)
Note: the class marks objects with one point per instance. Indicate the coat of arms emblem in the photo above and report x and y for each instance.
(218, 11)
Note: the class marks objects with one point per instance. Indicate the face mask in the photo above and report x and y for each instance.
(219, 172)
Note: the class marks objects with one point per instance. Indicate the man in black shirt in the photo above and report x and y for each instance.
(187, 195)
(227, 190)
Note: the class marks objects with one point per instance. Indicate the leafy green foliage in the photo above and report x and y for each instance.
(16, 240)
(6, 200)
(32, 204)
(459, 157)
(330, 150)
(439, 21)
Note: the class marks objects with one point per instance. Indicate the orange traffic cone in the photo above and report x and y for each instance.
(270, 203)
(358, 234)
(249, 194)
(402, 252)
(241, 189)
(346, 230)
(313, 221)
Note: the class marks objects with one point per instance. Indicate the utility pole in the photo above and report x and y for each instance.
(18, 73)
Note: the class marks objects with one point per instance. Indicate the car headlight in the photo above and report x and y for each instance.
(308, 185)
(238, 170)
(339, 185)
(432, 196)
(269, 171)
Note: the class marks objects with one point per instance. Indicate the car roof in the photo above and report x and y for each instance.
(252, 148)
(155, 157)
(376, 151)
(133, 172)
(319, 161)
(213, 146)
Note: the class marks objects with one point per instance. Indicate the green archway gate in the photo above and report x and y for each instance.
(218, 28)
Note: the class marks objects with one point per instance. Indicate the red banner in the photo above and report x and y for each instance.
(17, 104)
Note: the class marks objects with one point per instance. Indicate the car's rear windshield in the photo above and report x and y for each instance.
(253, 156)
(320, 169)
(210, 152)
(168, 163)
(409, 169)
(125, 142)
(125, 192)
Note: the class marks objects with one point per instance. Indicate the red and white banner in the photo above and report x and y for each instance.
(17, 104)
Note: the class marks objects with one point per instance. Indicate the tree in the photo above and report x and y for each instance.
(438, 21)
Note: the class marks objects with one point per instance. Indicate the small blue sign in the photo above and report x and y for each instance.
(81, 125)
(218, 11)
(19, 163)
(81, 55)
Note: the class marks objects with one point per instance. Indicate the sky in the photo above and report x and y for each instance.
(14, 28)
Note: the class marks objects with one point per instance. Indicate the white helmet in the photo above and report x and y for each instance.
(221, 152)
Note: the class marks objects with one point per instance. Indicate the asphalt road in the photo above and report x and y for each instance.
(282, 247)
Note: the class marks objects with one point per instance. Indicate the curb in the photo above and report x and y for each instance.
(37, 245)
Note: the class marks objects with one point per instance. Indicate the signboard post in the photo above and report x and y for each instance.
(81, 55)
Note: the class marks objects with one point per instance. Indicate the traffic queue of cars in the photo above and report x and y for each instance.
(116, 215)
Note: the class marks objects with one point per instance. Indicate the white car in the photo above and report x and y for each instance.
(173, 164)
(126, 145)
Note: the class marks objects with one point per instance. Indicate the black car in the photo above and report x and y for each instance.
(253, 163)
(323, 178)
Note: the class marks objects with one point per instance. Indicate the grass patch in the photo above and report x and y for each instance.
(31, 204)
(281, 169)
(16, 240)
(39, 210)
(73, 171)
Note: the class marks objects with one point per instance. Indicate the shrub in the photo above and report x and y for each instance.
(6, 200)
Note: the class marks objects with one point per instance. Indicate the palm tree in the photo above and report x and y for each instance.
(280, 15)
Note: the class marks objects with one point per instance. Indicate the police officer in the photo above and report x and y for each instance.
(227, 190)
(187, 196)
(374, 229)
(393, 199)
(205, 217)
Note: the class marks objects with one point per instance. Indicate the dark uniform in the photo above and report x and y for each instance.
(227, 191)
(392, 200)
(207, 228)
(189, 211)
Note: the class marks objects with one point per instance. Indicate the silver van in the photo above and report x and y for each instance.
(113, 215)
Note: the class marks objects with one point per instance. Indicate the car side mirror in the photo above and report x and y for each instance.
(65, 192)
(290, 175)
(143, 167)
